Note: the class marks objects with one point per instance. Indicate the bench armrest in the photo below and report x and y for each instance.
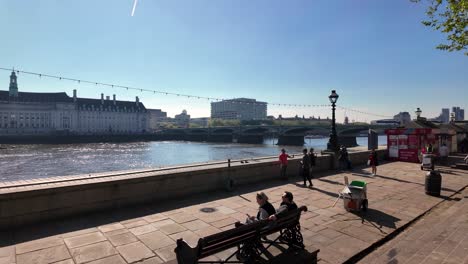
(185, 254)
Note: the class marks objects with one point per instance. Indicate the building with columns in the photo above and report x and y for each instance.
(25, 113)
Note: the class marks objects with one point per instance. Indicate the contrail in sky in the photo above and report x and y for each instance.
(134, 6)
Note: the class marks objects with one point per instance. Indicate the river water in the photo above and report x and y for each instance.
(21, 162)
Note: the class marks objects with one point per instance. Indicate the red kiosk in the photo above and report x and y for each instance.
(407, 143)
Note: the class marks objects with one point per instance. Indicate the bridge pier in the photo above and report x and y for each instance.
(290, 140)
(348, 142)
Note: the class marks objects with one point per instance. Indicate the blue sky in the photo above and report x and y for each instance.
(375, 53)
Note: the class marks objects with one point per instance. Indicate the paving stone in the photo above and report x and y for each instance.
(79, 232)
(122, 239)
(225, 210)
(156, 240)
(7, 255)
(116, 232)
(190, 237)
(38, 244)
(155, 217)
(111, 227)
(68, 261)
(225, 222)
(92, 252)
(44, 256)
(83, 240)
(195, 225)
(330, 233)
(348, 246)
(135, 252)
(182, 217)
(136, 223)
(166, 253)
(115, 259)
(172, 229)
(162, 223)
(154, 260)
(207, 231)
(143, 229)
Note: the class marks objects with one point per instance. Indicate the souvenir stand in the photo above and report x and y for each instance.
(407, 143)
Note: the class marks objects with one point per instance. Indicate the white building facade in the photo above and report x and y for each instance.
(23, 113)
(240, 108)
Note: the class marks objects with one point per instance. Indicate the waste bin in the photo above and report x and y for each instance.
(433, 183)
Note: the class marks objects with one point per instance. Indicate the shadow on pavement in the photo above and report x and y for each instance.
(291, 257)
(378, 219)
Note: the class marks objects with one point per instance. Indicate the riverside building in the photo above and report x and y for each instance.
(239, 108)
(25, 113)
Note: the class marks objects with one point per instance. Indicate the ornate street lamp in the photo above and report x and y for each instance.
(452, 117)
(418, 113)
(333, 141)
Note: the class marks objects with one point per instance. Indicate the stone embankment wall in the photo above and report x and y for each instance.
(28, 202)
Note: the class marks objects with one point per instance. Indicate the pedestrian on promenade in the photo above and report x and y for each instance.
(443, 152)
(373, 161)
(305, 164)
(264, 211)
(287, 205)
(312, 157)
(343, 158)
(429, 148)
(283, 159)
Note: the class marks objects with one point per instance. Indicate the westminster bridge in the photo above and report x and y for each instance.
(287, 135)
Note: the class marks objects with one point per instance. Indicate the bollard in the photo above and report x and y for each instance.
(433, 183)
(229, 163)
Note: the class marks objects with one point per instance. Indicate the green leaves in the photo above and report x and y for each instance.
(449, 17)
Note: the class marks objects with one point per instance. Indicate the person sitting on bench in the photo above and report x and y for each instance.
(287, 205)
(264, 211)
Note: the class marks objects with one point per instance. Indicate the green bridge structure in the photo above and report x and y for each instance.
(287, 135)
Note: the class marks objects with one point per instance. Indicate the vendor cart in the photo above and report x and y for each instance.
(355, 196)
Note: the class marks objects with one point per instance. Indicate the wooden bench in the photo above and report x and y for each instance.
(250, 240)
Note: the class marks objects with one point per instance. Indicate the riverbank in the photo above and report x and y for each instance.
(23, 202)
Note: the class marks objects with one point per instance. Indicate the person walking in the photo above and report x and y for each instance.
(312, 157)
(283, 159)
(443, 152)
(343, 158)
(373, 161)
(305, 164)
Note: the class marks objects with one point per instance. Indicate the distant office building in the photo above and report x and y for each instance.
(346, 120)
(155, 117)
(445, 115)
(239, 108)
(183, 119)
(403, 118)
(443, 118)
(459, 113)
(201, 121)
(24, 113)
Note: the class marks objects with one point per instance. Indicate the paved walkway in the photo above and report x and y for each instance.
(147, 234)
(441, 236)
